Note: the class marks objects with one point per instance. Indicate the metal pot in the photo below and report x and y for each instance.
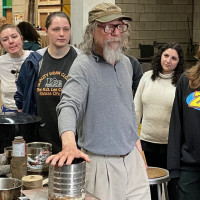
(10, 188)
(14, 124)
(37, 153)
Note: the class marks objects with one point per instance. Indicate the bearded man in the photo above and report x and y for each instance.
(97, 100)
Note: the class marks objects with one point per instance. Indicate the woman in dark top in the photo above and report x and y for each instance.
(43, 76)
(31, 37)
(184, 135)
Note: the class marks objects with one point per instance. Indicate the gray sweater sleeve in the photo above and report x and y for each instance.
(72, 98)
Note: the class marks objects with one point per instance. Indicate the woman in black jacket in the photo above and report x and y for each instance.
(184, 135)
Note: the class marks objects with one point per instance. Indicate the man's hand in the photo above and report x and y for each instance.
(69, 151)
(139, 147)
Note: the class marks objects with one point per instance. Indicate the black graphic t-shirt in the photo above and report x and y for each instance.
(52, 77)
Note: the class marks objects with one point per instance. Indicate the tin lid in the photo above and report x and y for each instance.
(18, 118)
(18, 137)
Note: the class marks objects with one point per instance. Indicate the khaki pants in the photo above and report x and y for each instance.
(117, 178)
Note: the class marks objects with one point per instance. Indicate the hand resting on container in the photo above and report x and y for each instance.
(69, 151)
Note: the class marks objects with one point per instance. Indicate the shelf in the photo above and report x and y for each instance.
(7, 10)
(7, 7)
(49, 2)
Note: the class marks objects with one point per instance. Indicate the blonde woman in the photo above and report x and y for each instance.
(12, 42)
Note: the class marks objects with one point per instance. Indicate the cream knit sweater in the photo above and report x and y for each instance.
(153, 105)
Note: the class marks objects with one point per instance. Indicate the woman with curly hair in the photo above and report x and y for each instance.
(31, 37)
(153, 103)
(184, 138)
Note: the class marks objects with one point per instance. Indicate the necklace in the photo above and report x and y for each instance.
(16, 65)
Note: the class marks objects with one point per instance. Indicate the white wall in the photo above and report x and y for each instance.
(79, 17)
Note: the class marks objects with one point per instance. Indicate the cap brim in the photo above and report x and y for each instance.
(109, 18)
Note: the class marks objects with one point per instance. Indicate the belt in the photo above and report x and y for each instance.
(122, 156)
(115, 156)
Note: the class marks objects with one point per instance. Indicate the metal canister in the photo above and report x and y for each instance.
(67, 181)
(19, 147)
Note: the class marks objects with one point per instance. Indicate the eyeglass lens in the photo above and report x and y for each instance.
(110, 28)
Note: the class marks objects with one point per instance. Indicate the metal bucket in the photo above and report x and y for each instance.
(67, 181)
(10, 188)
(37, 153)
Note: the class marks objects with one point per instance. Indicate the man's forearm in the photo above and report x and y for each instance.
(68, 139)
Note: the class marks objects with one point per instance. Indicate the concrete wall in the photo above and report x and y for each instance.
(157, 20)
(153, 20)
(196, 21)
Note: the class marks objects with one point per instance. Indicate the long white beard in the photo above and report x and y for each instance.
(112, 52)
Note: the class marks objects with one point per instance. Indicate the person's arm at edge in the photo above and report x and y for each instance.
(137, 73)
(137, 99)
(139, 147)
(20, 84)
(175, 133)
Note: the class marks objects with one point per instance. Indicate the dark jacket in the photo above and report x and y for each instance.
(29, 45)
(26, 84)
(184, 137)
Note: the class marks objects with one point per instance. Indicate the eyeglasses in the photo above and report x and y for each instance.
(110, 28)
